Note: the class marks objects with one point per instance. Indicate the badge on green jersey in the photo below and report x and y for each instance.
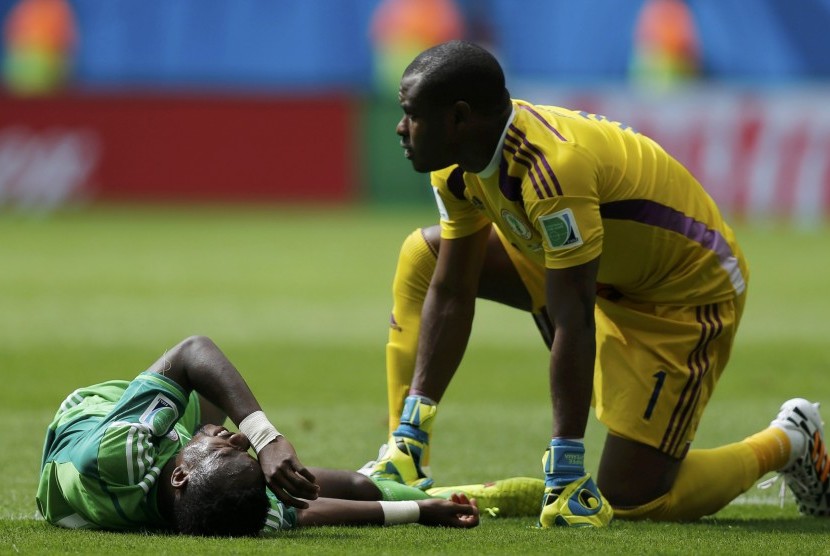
(160, 415)
(560, 229)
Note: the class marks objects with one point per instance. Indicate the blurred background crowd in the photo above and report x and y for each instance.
(296, 100)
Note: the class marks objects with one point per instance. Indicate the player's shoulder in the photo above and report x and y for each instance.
(441, 176)
(543, 127)
(150, 381)
(280, 517)
(541, 113)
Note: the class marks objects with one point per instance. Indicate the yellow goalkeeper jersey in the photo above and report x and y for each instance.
(566, 187)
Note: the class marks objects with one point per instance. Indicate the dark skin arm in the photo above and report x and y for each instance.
(447, 316)
(456, 512)
(571, 294)
(198, 364)
(210, 414)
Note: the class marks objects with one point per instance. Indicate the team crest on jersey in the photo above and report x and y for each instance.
(160, 415)
(516, 224)
(561, 230)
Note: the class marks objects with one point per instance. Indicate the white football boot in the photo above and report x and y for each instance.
(808, 471)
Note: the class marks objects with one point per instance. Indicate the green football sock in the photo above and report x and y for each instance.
(393, 491)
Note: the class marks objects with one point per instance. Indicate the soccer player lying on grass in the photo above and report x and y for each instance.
(123, 455)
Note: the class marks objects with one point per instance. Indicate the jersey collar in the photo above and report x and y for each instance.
(496, 160)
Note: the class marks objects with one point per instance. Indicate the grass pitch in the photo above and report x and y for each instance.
(299, 299)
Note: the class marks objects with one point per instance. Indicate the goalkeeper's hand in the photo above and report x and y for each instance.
(401, 459)
(571, 497)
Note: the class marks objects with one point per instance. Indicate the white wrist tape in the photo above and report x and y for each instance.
(395, 513)
(258, 429)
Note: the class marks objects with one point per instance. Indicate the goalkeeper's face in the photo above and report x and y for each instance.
(427, 128)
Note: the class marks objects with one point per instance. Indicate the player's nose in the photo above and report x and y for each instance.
(402, 128)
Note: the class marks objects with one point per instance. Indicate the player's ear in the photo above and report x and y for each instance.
(179, 477)
(462, 112)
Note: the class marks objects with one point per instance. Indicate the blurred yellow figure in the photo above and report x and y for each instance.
(401, 29)
(40, 37)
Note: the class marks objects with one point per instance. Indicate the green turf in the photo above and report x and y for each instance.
(299, 299)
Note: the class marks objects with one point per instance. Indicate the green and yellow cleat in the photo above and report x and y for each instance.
(514, 497)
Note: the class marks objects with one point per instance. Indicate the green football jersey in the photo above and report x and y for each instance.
(105, 449)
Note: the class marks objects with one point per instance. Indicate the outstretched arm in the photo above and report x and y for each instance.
(459, 511)
(198, 364)
(447, 316)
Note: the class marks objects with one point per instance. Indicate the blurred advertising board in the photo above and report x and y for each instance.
(175, 148)
(759, 153)
(762, 153)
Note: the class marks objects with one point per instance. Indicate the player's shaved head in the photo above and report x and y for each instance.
(461, 71)
(223, 498)
(220, 488)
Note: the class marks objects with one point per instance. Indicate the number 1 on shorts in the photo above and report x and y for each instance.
(661, 378)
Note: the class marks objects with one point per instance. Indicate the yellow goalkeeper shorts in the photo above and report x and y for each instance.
(656, 365)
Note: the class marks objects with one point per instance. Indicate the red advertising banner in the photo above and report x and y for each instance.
(175, 148)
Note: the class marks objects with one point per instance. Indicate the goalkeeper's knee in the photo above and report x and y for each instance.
(659, 509)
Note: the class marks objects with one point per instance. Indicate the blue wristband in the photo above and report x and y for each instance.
(414, 433)
(564, 461)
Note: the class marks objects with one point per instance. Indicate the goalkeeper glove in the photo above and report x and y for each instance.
(571, 497)
(407, 454)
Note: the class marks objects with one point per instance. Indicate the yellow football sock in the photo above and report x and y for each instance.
(709, 479)
(772, 448)
(416, 265)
